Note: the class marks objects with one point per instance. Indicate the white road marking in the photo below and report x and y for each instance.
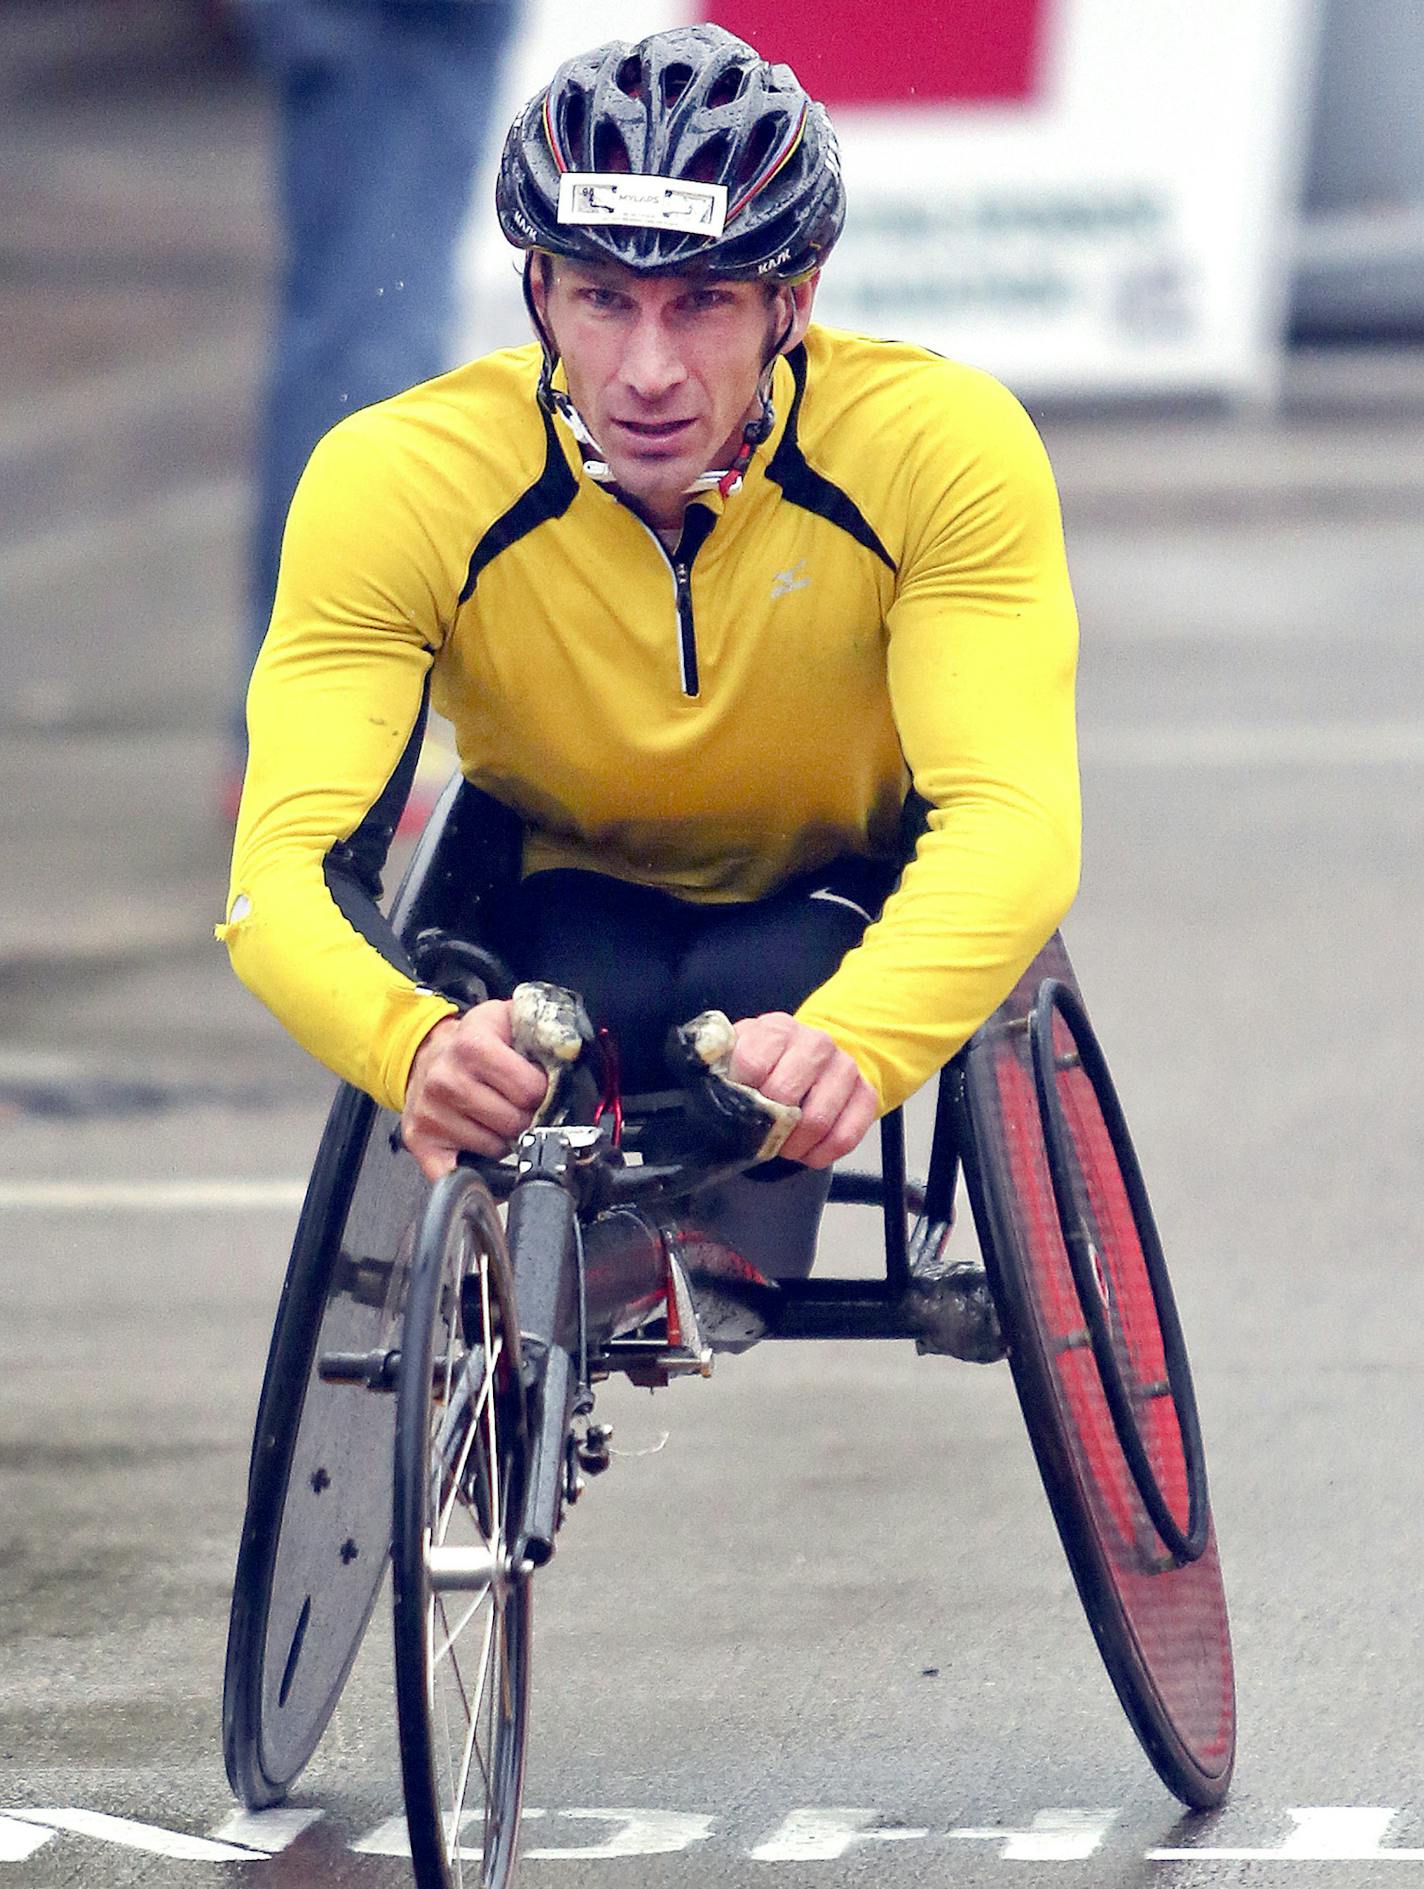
(266, 1830)
(814, 1836)
(148, 1837)
(1323, 1833)
(638, 1833)
(1256, 745)
(1318, 1834)
(1054, 1836)
(149, 1196)
(392, 1838)
(19, 1840)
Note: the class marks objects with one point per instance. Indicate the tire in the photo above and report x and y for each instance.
(462, 1615)
(316, 1533)
(1102, 1376)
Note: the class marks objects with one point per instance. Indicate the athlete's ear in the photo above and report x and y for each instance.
(803, 295)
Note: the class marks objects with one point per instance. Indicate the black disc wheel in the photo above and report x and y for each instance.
(462, 1600)
(1102, 1375)
(317, 1527)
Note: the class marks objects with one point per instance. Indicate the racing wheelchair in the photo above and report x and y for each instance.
(429, 1392)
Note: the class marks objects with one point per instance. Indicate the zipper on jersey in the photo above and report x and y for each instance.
(696, 525)
(686, 628)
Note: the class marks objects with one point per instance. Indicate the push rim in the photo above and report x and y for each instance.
(1102, 1243)
(462, 1605)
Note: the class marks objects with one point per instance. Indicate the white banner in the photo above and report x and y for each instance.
(1084, 197)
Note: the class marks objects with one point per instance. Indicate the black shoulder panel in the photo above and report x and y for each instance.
(353, 867)
(550, 496)
(810, 489)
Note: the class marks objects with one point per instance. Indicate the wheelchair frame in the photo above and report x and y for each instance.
(1129, 1586)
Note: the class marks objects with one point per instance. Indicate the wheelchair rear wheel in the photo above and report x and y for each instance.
(316, 1534)
(1102, 1375)
(462, 1603)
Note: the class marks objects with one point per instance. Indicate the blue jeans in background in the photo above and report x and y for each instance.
(384, 111)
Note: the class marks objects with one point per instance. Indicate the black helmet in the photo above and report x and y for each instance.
(693, 104)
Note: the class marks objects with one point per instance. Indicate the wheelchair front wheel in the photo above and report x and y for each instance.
(462, 1612)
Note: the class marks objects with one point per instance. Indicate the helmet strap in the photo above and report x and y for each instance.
(546, 340)
(758, 430)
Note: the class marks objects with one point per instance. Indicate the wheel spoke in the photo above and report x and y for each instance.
(470, 1415)
(471, 1750)
(470, 1743)
(446, 1473)
(483, 1667)
(455, 1633)
(491, 1436)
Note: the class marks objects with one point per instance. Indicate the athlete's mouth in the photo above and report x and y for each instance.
(653, 430)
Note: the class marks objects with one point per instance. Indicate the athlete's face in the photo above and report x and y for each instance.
(664, 369)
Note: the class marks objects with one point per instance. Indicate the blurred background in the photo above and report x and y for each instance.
(1192, 238)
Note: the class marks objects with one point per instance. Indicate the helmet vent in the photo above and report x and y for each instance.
(676, 80)
(630, 77)
(759, 147)
(610, 153)
(729, 85)
(575, 119)
(709, 162)
(781, 232)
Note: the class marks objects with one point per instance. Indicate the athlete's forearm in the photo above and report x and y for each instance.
(981, 661)
(950, 945)
(334, 700)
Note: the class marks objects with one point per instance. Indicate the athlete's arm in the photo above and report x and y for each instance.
(334, 697)
(982, 642)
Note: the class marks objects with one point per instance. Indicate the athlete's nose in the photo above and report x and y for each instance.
(651, 365)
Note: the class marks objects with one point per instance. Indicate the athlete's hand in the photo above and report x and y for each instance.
(790, 1062)
(469, 1088)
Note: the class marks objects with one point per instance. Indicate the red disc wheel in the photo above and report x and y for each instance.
(1102, 1375)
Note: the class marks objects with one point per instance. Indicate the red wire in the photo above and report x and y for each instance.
(612, 1097)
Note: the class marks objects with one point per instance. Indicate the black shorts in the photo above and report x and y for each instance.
(644, 960)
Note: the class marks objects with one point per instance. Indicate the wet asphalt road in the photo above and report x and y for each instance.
(835, 1586)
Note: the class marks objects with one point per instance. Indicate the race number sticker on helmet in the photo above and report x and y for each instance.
(651, 203)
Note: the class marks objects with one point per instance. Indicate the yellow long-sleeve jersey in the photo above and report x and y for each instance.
(885, 600)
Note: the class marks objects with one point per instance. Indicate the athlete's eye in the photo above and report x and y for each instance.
(700, 301)
(604, 300)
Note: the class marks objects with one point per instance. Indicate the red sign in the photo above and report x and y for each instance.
(897, 52)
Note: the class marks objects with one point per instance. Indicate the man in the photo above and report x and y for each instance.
(704, 591)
